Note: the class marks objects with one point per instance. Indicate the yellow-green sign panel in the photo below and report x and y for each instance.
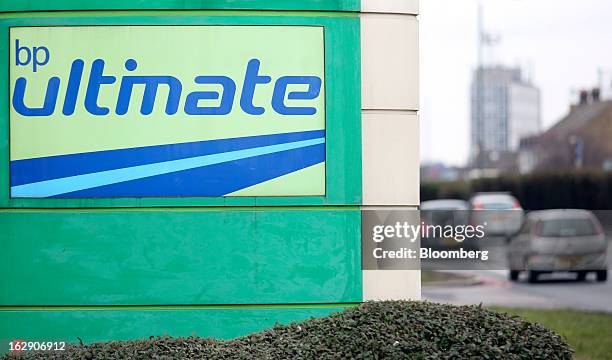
(155, 111)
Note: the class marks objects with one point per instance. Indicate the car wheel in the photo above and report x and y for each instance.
(533, 276)
(514, 275)
(581, 276)
(602, 275)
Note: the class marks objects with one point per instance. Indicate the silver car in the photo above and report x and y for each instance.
(500, 212)
(445, 212)
(559, 240)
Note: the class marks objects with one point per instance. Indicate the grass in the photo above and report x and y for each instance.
(590, 334)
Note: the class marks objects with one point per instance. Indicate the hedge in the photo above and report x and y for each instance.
(579, 190)
(373, 330)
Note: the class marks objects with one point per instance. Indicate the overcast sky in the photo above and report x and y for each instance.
(562, 43)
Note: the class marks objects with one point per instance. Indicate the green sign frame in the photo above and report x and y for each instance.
(73, 5)
(342, 102)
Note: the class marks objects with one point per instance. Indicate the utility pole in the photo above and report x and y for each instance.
(479, 103)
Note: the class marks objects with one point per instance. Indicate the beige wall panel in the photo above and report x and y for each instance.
(390, 6)
(389, 62)
(391, 285)
(390, 158)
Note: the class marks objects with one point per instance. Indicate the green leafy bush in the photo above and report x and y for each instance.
(373, 330)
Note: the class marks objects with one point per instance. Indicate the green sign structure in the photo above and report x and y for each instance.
(157, 244)
(184, 167)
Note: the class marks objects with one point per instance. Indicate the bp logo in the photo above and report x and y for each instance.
(146, 113)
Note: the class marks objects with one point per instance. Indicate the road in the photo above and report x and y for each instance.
(556, 291)
(495, 289)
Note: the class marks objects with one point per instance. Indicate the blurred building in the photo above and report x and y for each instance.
(433, 172)
(505, 108)
(582, 139)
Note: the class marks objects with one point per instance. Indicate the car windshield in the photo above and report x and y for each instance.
(567, 228)
(496, 206)
(494, 202)
(444, 205)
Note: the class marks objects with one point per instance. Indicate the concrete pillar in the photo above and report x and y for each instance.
(390, 126)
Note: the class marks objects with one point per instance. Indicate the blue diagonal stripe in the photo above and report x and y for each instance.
(87, 181)
(33, 170)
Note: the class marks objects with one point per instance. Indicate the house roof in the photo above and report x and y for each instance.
(578, 119)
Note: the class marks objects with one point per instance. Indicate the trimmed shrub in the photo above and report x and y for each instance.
(590, 190)
(373, 330)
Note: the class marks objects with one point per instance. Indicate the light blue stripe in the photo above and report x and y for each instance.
(87, 181)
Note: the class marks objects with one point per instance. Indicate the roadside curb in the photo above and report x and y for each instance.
(470, 280)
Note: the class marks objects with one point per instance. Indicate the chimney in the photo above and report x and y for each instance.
(584, 98)
(595, 95)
